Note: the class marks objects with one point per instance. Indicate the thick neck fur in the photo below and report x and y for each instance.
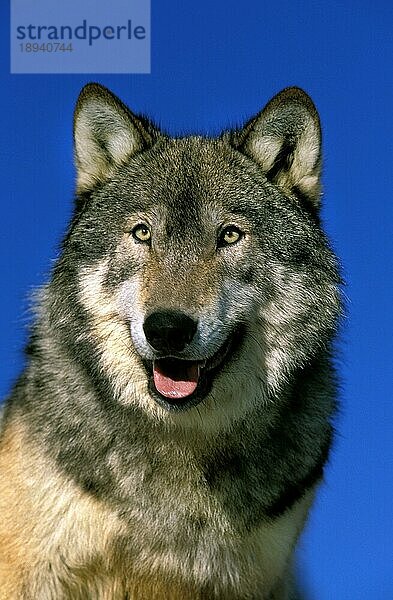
(137, 457)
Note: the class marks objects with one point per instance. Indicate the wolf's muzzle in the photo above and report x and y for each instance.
(169, 331)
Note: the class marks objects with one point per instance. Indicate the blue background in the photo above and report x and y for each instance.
(214, 65)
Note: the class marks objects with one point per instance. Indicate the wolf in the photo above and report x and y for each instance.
(172, 424)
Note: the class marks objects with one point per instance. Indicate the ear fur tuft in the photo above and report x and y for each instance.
(285, 140)
(106, 134)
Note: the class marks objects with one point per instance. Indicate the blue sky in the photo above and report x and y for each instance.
(214, 65)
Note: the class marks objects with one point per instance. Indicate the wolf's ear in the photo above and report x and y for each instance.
(106, 133)
(285, 140)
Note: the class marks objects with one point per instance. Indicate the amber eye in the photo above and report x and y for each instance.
(141, 233)
(229, 235)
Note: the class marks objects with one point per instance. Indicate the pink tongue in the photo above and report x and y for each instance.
(175, 379)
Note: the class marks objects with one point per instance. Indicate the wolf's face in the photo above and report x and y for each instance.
(197, 269)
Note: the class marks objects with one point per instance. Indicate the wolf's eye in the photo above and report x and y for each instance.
(141, 233)
(229, 235)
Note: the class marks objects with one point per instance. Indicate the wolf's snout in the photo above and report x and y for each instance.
(169, 331)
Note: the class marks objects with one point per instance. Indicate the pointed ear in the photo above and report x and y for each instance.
(106, 134)
(285, 140)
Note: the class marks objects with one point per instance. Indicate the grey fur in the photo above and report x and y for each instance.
(206, 500)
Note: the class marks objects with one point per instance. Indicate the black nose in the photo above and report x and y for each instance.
(169, 331)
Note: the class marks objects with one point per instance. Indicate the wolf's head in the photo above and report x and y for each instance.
(195, 271)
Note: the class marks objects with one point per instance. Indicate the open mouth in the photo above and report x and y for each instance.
(178, 384)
